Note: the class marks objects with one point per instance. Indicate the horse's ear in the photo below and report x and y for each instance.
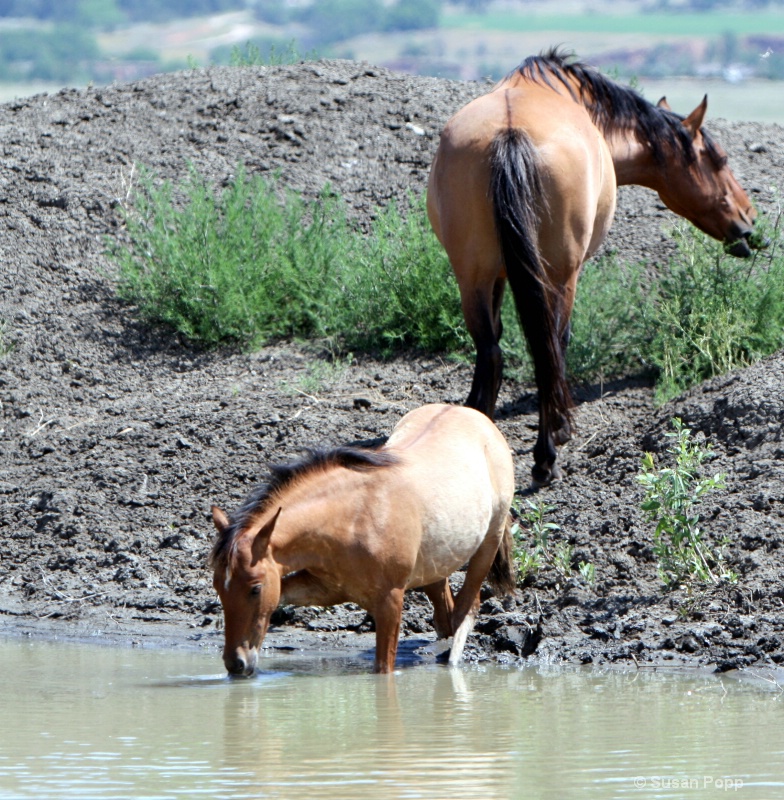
(694, 121)
(663, 103)
(262, 538)
(220, 519)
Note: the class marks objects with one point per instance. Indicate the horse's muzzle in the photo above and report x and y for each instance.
(240, 665)
(743, 242)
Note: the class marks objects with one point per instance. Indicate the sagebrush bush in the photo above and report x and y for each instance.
(248, 265)
(712, 313)
(241, 266)
(610, 321)
(400, 290)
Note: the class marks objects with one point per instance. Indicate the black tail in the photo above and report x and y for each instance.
(518, 201)
(502, 574)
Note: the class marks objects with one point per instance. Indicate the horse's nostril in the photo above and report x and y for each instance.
(236, 666)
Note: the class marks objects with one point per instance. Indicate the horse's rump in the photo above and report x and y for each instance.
(456, 469)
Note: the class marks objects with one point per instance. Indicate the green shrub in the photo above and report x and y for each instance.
(400, 291)
(248, 265)
(610, 321)
(672, 495)
(252, 263)
(712, 313)
(239, 267)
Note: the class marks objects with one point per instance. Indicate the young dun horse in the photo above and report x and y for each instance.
(523, 188)
(364, 525)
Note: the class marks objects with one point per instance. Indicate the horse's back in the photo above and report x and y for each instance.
(457, 469)
(438, 436)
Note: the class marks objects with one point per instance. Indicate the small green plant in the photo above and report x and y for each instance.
(562, 558)
(323, 374)
(5, 345)
(671, 497)
(588, 572)
(268, 53)
(529, 560)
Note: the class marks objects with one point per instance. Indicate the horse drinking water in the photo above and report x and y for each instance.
(364, 525)
(523, 188)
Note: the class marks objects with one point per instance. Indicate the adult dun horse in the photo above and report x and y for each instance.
(523, 188)
(364, 525)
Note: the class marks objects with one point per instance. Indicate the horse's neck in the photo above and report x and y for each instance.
(631, 158)
(633, 161)
(314, 517)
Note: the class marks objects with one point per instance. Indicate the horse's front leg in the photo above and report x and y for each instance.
(387, 613)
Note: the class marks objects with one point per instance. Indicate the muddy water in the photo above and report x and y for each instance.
(91, 722)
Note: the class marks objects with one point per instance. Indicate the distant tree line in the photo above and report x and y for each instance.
(58, 55)
(65, 49)
(113, 12)
(336, 20)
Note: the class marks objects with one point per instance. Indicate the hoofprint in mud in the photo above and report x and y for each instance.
(116, 439)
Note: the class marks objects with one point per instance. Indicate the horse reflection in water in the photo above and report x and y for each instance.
(364, 525)
(421, 735)
(523, 188)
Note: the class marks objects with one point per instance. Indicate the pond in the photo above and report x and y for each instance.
(100, 722)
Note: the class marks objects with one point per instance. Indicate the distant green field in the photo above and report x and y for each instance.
(715, 24)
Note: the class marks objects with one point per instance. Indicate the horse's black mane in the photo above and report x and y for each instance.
(612, 105)
(283, 475)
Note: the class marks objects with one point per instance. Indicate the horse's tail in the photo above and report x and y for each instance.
(518, 201)
(502, 575)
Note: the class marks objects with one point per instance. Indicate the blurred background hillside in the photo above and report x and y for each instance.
(733, 49)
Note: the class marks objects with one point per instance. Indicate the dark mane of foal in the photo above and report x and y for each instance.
(612, 105)
(282, 476)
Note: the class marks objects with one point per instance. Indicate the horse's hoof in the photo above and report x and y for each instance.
(542, 475)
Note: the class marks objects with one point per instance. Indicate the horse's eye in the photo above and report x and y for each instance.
(255, 590)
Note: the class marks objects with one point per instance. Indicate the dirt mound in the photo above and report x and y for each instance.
(116, 439)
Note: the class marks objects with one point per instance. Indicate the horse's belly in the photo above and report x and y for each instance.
(448, 542)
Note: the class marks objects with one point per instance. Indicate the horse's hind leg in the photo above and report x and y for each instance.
(440, 594)
(467, 600)
(482, 312)
(563, 428)
(545, 470)
(463, 629)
